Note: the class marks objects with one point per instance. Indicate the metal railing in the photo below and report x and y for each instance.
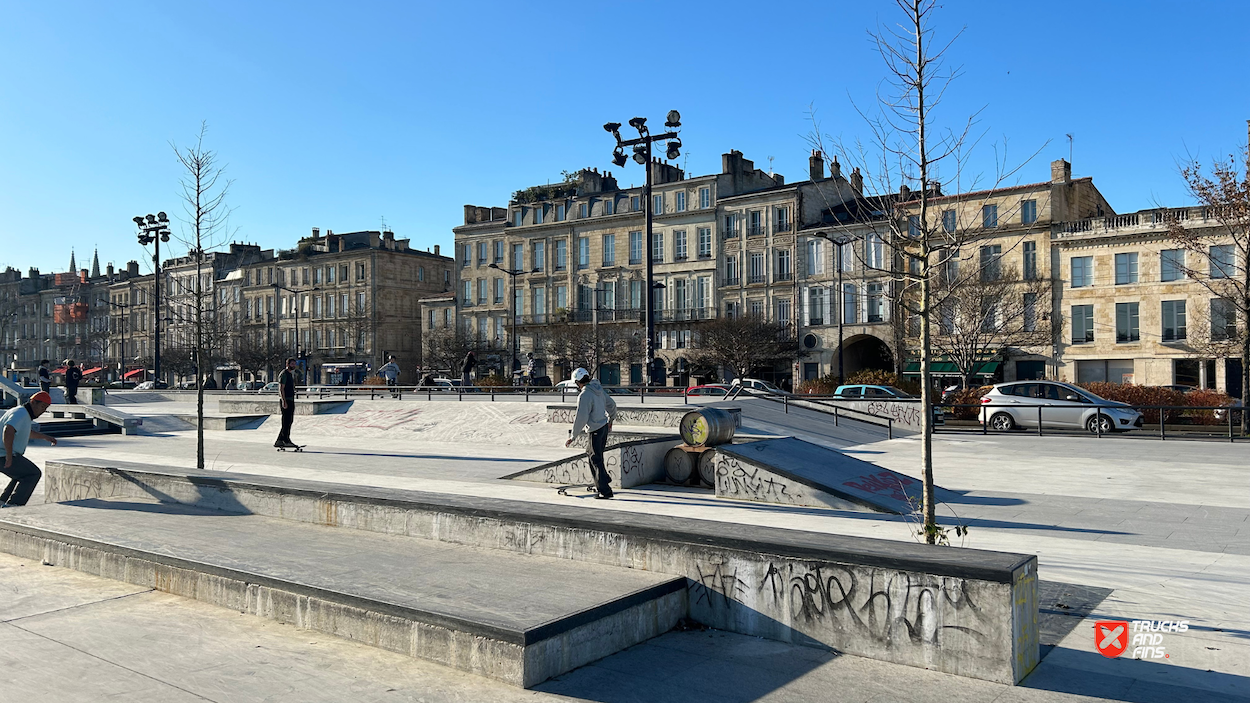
(837, 411)
(986, 411)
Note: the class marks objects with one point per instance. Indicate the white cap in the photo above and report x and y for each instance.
(580, 375)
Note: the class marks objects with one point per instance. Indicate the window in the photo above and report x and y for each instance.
(989, 315)
(783, 219)
(1126, 327)
(680, 201)
(635, 295)
(755, 225)
(518, 217)
(582, 209)
(783, 310)
(731, 271)
(874, 251)
(1028, 211)
(447, 317)
(539, 250)
(815, 257)
(948, 221)
(360, 270)
(784, 270)
(538, 214)
(518, 307)
(701, 292)
(607, 206)
(498, 290)
(559, 213)
(562, 297)
(847, 257)
(609, 250)
(1172, 264)
(815, 306)
(1082, 271)
(497, 247)
(1223, 261)
(1030, 261)
(635, 203)
(1173, 320)
(1105, 371)
(679, 245)
(680, 301)
(657, 247)
(583, 252)
(705, 242)
(1082, 324)
(539, 307)
(467, 298)
(757, 271)
(1223, 320)
(1125, 268)
(850, 304)
(731, 226)
(562, 254)
(481, 291)
(991, 262)
(989, 216)
(584, 296)
(1029, 323)
(705, 197)
(421, 274)
(657, 204)
(876, 307)
(635, 247)
(913, 226)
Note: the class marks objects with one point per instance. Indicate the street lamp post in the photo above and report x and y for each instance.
(296, 293)
(125, 331)
(154, 229)
(512, 346)
(642, 155)
(838, 243)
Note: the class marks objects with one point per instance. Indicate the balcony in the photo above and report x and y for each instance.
(784, 276)
(729, 233)
(781, 227)
(757, 278)
(757, 230)
(733, 280)
(686, 315)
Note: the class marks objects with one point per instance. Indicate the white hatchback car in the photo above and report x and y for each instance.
(1062, 405)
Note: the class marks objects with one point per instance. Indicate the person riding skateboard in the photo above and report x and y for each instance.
(286, 396)
(73, 376)
(16, 428)
(595, 412)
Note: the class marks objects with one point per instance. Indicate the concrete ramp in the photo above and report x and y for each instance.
(629, 464)
(790, 471)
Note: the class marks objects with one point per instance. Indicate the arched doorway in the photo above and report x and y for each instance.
(867, 352)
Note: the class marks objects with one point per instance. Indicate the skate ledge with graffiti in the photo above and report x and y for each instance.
(638, 416)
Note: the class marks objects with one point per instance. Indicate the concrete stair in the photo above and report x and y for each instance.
(74, 428)
(518, 618)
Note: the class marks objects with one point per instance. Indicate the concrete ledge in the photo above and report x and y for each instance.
(961, 611)
(273, 406)
(102, 416)
(225, 422)
(637, 415)
(629, 463)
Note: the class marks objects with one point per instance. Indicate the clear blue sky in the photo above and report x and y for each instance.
(337, 114)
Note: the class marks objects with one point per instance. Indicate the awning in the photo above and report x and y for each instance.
(60, 370)
(136, 372)
(88, 372)
(948, 368)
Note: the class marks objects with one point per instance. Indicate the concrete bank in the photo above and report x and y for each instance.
(960, 611)
(273, 406)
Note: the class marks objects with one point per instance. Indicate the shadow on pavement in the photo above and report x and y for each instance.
(421, 456)
(1134, 680)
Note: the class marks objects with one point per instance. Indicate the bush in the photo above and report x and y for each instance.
(877, 377)
(491, 381)
(1206, 397)
(374, 381)
(1155, 395)
(968, 396)
(825, 385)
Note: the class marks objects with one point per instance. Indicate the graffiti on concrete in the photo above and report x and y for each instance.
(623, 461)
(901, 413)
(670, 417)
(882, 483)
(715, 584)
(751, 483)
(562, 415)
(527, 419)
(373, 419)
(885, 605)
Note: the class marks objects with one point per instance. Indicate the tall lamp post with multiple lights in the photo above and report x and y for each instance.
(154, 229)
(512, 345)
(642, 154)
(298, 310)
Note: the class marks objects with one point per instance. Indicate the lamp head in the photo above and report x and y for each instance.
(640, 154)
(674, 149)
(612, 127)
(638, 122)
(673, 120)
(151, 219)
(493, 266)
(138, 220)
(618, 157)
(161, 217)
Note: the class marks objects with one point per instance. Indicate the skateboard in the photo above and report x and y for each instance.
(292, 448)
(564, 490)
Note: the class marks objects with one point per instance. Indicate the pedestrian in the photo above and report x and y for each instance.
(470, 363)
(529, 368)
(595, 412)
(73, 375)
(286, 396)
(390, 372)
(45, 377)
(22, 472)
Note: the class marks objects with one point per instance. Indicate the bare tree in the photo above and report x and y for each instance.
(742, 343)
(589, 345)
(205, 216)
(991, 314)
(1216, 244)
(446, 348)
(902, 156)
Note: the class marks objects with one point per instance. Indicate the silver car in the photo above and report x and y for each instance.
(1017, 404)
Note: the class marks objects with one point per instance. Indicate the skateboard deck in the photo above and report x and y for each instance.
(293, 448)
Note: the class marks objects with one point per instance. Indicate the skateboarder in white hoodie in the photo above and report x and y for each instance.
(595, 412)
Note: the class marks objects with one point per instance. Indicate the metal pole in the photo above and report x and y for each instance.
(1039, 421)
(648, 207)
(512, 345)
(156, 329)
(841, 313)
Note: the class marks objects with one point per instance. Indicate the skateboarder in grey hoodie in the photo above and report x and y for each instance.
(595, 412)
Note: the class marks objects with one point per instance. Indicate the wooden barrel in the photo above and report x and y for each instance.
(707, 427)
(679, 465)
(707, 468)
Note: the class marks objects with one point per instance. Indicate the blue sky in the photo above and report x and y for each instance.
(335, 115)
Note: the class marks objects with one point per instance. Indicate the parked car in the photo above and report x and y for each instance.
(271, 387)
(151, 386)
(755, 384)
(186, 385)
(122, 384)
(446, 384)
(709, 389)
(1010, 405)
(868, 391)
(565, 386)
(250, 385)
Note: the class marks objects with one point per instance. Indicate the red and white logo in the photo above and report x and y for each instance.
(1111, 637)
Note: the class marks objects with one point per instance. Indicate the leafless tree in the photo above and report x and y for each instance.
(205, 218)
(1216, 244)
(901, 159)
(445, 349)
(742, 343)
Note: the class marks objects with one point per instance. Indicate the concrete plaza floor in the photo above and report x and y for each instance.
(1124, 528)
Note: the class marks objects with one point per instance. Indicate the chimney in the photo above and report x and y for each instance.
(436, 250)
(329, 232)
(857, 180)
(108, 270)
(470, 214)
(33, 273)
(904, 193)
(835, 168)
(82, 275)
(132, 269)
(816, 166)
(316, 232)
(1060, 171)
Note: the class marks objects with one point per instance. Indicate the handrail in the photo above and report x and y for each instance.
(983, 418)
(837, 410)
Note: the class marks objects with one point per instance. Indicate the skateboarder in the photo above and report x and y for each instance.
(16, 427)
(595, 412)
(45, 377)
(286, 396)
(73, 375)
(390, 372)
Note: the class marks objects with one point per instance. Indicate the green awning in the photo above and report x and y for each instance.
(947, 368)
